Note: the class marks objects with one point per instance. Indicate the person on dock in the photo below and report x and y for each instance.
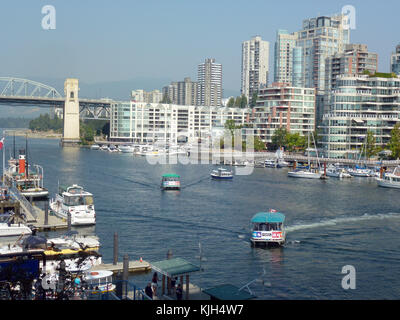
(173, 284)
(154, 283)
(149, 291)
(179, 292)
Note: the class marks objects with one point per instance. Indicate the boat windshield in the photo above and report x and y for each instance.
(267, 226)
(78, 200)
(171, 179)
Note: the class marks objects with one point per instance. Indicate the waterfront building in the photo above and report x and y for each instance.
(209, 78)
(149, 122)
(170, 92)
(360, 103)
(140, 95)
(255, 66)
(284, 106)
(356, 59)
(395, 61)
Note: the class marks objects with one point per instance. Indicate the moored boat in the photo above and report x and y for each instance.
(390, 179)
(95, 147)
(222, 174)
(268, 228)
(77, 203)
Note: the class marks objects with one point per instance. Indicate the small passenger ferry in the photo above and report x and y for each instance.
(170, 182)
(75, 201)
(100, 281)
(221, 174)
(268, 228)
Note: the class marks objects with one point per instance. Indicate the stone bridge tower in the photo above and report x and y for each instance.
(71, 112)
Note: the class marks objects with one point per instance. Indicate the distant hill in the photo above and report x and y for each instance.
(7, 123)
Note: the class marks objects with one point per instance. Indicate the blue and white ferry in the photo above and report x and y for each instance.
(221, 174)
(268, 228)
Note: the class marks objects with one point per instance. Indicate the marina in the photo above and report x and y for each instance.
(141, 214)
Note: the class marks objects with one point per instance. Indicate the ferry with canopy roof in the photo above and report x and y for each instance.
(170, 182)
(268, 228)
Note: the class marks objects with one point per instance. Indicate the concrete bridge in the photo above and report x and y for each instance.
(23, 92)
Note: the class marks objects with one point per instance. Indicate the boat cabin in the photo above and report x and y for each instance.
(170, 182)
(268, 228)
(76, 196)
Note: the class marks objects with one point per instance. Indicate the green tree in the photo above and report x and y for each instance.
(279, 138)
(370, 148)
(243, 101)
(238, 102)
(259, 145)
(254, 99)
(295, 141)
(231, 102)
(394, 143)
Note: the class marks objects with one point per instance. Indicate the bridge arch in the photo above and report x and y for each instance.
(17, 87)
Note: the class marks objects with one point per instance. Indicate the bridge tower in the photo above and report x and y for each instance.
(71, 112)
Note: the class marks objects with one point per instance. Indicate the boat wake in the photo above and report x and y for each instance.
(342, 220)
(196, 182)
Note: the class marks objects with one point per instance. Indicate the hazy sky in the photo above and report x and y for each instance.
(99, 41)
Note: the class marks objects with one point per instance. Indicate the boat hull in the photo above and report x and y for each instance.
(305, 175)
(13, 230)
(386, 184)
(221, 178)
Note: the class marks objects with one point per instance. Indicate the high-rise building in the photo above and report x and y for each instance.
(284, 106)
(187, 92)
(170, 92)
(283, 58)
(209, 78)
(319, 39)
(360, 103)
(255, 66)
(356, 59)
(140, 95)
(395, 61)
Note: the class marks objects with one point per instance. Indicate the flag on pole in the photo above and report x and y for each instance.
(1, 143)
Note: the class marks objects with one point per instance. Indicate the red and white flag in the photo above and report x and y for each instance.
(1, 143)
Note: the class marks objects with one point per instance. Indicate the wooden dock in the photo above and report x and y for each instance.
(134, 266)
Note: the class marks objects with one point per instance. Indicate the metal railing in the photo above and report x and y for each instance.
(24, 202)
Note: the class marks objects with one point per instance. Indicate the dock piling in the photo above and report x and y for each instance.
(125, 274)
(46, 213)
(69, 221)
(115, 248)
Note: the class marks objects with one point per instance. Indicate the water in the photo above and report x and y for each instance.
(330, 223)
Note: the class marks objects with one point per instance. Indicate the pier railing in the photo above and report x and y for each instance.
(24, 202)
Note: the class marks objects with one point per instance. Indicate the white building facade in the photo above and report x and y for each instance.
(150, 122)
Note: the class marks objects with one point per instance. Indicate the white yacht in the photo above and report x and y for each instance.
(95, 147)
(360, 172)
(308, 173)
(75, 201)
(390, 179)
(221, 173)
(337, 173)
(9, 229)
(270, 163)
(127, 149)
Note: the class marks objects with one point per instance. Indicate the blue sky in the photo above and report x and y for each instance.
(99, 41)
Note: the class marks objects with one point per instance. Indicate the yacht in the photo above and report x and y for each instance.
(337, 173)
(95, 147)
(221, 174)
(309, 173)
(8, 227)
(360, 172)
(270, 163)
(390, 179)
(127, 149)
(77, 203)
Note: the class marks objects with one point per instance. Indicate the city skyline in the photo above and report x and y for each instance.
(105, 42)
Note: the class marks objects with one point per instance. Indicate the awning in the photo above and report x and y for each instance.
(228, 292)
(268, 217)
(174, 267)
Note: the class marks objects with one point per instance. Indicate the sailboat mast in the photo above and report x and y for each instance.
(308, 150)
(26, 156)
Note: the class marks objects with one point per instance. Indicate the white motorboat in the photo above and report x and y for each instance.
(337, 173)
(95, 147)
(127, 149)
(77, 203)
(221, 174)
(360, 172)
(8, 229)
(72, 240)
(270, 163)
(104, 147)
(390, 179)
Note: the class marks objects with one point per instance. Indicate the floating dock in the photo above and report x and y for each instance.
(134, 266)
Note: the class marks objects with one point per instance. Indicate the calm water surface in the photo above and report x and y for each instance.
(330, 223)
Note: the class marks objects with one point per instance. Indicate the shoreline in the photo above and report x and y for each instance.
(36, 135)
